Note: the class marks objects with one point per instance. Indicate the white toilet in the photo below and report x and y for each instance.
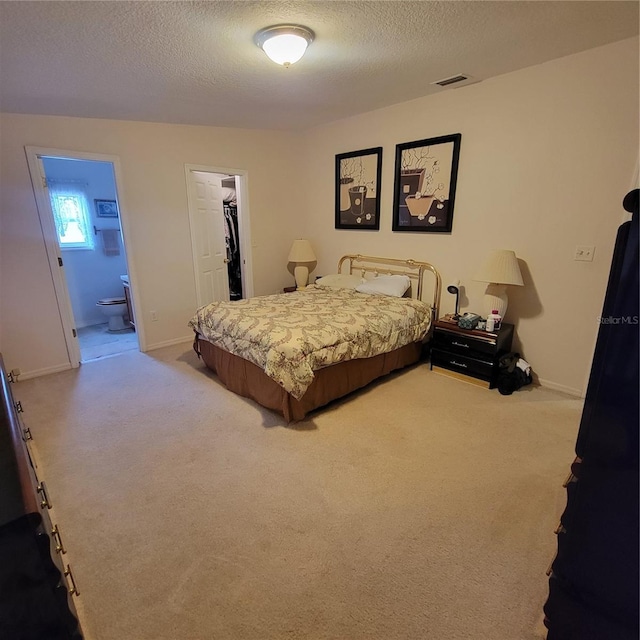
(114, 309)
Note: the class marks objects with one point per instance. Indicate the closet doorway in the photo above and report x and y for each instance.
(218, 219)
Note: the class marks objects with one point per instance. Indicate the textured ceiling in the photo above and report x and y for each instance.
(195, 62)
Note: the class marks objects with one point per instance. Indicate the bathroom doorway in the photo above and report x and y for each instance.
(81, 219)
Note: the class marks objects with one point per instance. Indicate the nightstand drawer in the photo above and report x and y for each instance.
(475, 367)
(463, 344)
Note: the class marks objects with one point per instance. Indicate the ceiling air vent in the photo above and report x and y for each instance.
(446, 82)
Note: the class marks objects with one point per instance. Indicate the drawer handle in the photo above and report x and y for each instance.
(549, 570)
(45, 498)
(27, 434)
(19, 408)
(74, 590)
(55, 532)
(459, 364)
(459, 344)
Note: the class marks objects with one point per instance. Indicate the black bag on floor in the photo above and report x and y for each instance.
(510, 376)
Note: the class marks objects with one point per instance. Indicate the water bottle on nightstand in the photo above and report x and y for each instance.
(494, 320)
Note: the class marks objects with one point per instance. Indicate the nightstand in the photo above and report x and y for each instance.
(470, 355)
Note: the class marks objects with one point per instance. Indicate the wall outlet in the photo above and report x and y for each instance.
(585, 254)
(154, 316)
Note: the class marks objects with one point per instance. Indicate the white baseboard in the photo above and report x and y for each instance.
(169, 343)
(578, 393)
(27, 375)
(44, 372)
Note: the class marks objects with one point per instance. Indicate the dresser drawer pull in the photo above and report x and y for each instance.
(55, 532)
(459, 364)
(459, 344)
(18, 406)
(27, 434)
(74, 590)
(549, 570)
(45, 498)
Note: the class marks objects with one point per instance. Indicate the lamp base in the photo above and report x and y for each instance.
(301, 274)
(495, 297)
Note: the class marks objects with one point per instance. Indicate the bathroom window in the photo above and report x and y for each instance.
(71, 216)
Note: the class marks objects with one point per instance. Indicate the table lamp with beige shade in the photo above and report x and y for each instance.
(304, 259)
(500, 270)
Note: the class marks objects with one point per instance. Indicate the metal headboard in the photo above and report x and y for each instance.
(383, 266)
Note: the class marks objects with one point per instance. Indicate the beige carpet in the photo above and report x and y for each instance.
(420, 508)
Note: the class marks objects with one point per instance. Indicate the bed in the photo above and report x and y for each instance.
(295, 352)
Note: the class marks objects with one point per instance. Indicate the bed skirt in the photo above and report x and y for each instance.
(248, 380)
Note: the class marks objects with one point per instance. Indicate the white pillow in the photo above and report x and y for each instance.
(339, 281)
(386, 285)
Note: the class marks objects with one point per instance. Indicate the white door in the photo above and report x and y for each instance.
(206, 218)
(54, 255)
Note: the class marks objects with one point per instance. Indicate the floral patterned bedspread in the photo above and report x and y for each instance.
(290, 335)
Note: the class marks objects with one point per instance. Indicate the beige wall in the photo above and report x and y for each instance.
(547, 155)
(154, 199)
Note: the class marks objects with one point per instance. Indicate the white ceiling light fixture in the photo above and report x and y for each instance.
(284, 43)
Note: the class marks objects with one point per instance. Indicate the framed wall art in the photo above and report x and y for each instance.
(426, 172)
(106, 208)
(358, 177)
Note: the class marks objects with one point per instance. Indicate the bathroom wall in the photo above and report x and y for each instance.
(91, 275)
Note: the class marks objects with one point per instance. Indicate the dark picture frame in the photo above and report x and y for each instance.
(357, 200)
(426, 174)
(106, 208)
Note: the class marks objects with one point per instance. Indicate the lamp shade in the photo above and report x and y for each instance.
(301, 251)
(501, 268)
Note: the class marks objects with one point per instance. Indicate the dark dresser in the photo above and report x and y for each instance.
(594, 578)
(36, 585)
(469, 354)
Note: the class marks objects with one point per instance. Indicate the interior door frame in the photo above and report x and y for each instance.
(244, 224)
(52, 246)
